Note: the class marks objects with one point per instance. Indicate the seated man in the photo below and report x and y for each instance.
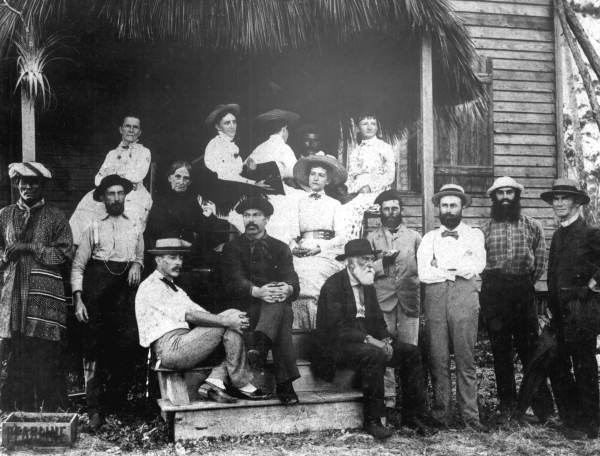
(258, 273)
(182, 334)
(351, 332)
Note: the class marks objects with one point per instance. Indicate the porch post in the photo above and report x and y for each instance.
(427, 155)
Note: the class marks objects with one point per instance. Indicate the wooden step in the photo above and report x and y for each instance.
(315, 412)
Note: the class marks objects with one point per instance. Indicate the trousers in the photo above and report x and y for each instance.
(452, 313)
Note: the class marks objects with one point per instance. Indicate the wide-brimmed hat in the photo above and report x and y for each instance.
(109, 181)
(255, 202)
(504, 181)
(451, 190)
(28, 169)
(278, 114)
(356, 248)
(566, 187)
(336, 173)
(308, 128)
(388, 195)
(212, 117)
(170, 246)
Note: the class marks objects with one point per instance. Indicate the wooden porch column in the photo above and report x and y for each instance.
(427, 155)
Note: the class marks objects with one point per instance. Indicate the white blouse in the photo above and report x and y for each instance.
(371, 163)
(320, 214)
(222, 156)
(131, 162)
(275, 149)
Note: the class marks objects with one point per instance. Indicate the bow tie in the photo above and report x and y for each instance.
(447, 233)
(393, 231)
(125, 146)
(170, 284)
(315, 196)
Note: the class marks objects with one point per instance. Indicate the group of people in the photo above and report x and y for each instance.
(143, 275)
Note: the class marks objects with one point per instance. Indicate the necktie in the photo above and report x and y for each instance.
(315, 196)
(170, 284)
(453, 234)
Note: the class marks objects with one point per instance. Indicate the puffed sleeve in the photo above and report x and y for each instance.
(385, 175)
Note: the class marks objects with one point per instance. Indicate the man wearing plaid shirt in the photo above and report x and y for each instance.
(516, 255)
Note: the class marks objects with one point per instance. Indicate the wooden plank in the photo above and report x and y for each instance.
(521, 9)
(533, 97)
(542, 140)
(498, 20)
(524, 86)
(513, 45)
(517, 55)
(427, 131)
(523, 128)
(531, 149)
(510, 33)
(525, 171)
(506, 106)
(520, 117)
(520, 65)
(510, 75)
(523, 160)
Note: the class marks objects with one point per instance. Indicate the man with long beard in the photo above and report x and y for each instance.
(516, 255)
(104, 278)
(449, 260)
(351, 332)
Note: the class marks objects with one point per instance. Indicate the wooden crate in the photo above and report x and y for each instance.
(39, 429)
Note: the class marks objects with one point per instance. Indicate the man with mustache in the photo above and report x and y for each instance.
(351, 332)
(259, 277)
(449, 260)
(516, 256)
(104, 277)
(35, 244)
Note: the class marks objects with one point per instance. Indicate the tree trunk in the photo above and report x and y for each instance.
(583, 39)
(583, 71)
(27, 126)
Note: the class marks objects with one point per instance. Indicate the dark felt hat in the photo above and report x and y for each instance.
(255, 202)
(566, 187)
(388, 195)
(355, 248)
(170, 246)
(451, 190)
(212, 117)
(278, 114)
(109, 181)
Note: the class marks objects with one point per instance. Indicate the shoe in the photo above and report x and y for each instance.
(419, 426)
(504, 418)
(257, 395)
(96, 421)
(377, 430)
(286, 394)
(209, 392)
(257, 355)
(476, 426)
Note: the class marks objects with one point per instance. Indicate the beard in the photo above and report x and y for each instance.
(115, 208)
(392, 221)
(506, 212)
(365, 275)
(450, 221)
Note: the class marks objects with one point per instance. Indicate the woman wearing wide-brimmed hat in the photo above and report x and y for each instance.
(321, 232)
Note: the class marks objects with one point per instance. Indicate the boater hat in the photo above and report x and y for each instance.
(28, 169)
(451, 190)
(335, 171)
(568, 187)
(170, 246)
(278, 114)
(504, 181)
(109, 181)
(356, 248)
(255, 202)
(212, 117)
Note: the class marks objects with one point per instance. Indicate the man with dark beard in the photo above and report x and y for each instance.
(516, 255)
(351, 332)
(449, 260)
(104, 277)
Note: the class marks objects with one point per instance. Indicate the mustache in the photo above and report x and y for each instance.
(251, 225)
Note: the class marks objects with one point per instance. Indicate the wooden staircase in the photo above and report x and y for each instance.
(323, 405)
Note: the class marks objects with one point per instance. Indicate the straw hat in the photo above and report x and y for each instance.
(212, 117)
(170, 246)
(336, 173)
(278, 114)
(504, 181)
(566, 187)
(451, 190)
(28, 169)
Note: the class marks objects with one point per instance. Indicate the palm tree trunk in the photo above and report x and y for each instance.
(583, 39)
(27, 126)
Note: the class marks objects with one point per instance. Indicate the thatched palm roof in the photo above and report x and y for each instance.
(272, 26)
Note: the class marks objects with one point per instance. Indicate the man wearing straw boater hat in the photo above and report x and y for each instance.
(574, 287)
(35, 243)
(449, 260)
(516, 257)
(352, 332)
(182, 334)
(105, 274)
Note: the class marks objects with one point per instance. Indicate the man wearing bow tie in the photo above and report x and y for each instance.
(449, 260)
(259, 277)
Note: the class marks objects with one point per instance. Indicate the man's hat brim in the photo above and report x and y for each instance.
(169, 251)
(212, 117)
(336, 173)
(255, 202)
(579, 196)
(109, 181)
(466, 199)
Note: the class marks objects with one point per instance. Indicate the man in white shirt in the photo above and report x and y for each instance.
(182, 334)
(449, 259)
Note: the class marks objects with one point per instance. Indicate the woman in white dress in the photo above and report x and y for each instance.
(371, 170)
(130, 160)
(321, 233)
